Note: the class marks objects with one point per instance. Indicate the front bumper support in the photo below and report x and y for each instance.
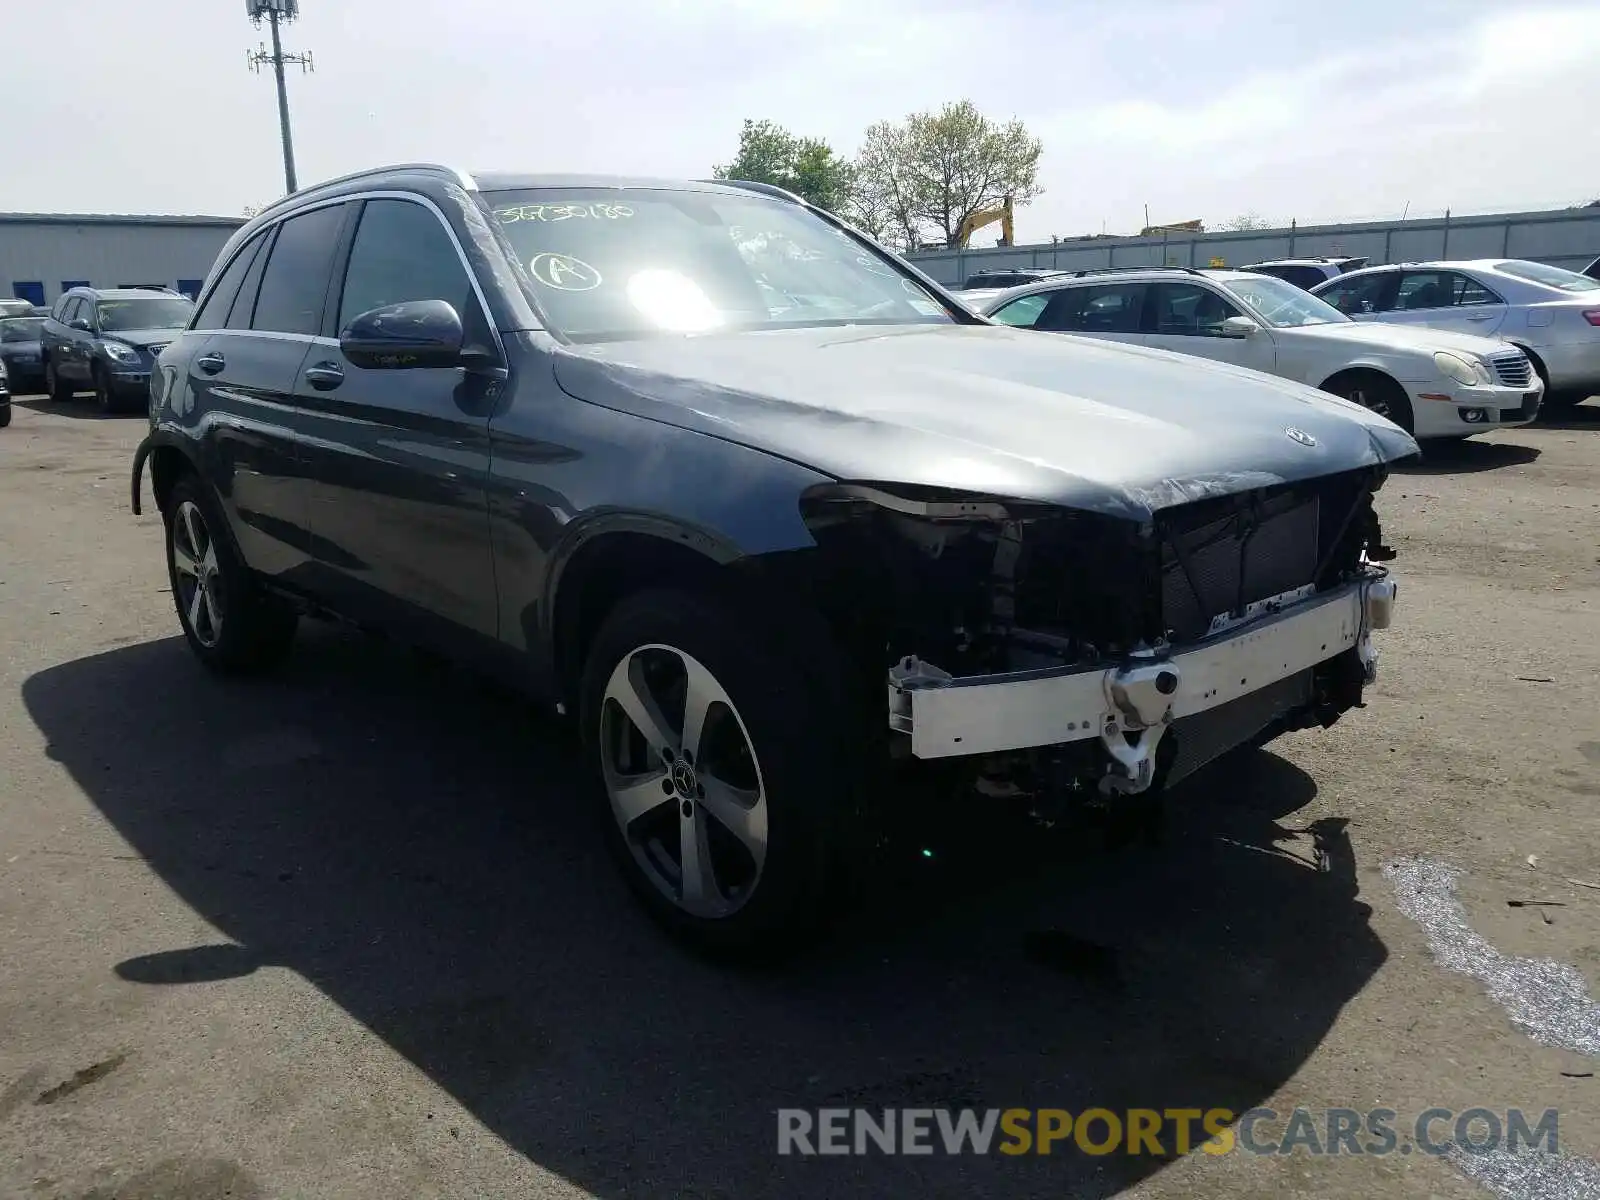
(1129, 705)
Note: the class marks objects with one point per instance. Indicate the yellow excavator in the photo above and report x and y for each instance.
(988, 216)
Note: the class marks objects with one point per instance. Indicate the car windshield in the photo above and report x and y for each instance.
(1552, 277)
(157, 312)
(21, 329)
(1282, 305)
(609, 265)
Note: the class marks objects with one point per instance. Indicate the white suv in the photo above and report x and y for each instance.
(1430, 382)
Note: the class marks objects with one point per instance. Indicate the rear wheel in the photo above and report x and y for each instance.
(723, 784)
(1377, 392)
(230, 624)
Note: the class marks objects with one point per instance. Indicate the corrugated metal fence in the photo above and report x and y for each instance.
(1567, 237)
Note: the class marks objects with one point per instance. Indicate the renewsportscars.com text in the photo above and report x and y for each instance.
(1161, 1132)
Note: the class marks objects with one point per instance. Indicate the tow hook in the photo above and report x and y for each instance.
(1140, 697)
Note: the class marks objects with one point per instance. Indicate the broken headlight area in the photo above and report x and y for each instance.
(1037, 636)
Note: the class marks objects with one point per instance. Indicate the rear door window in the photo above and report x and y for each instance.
(1108, 308)
(1361, 294)
(294, 285)
(1441, 289)
(213, 313)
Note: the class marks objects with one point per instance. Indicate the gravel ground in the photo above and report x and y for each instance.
(347, 932)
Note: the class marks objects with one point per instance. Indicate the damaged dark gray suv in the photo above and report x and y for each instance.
(769, 512)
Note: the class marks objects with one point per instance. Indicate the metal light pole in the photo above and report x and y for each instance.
(276, 12)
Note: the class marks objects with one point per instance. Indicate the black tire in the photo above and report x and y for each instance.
(256, 631)
(55, 387)
(788, 695)
(1377, 392)
(5, 414)
(105, 399)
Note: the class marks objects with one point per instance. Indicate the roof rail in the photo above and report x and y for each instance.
(765, 189)
(453, 174)
(1115, 270)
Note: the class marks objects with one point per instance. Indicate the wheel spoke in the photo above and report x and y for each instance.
(632, 796)
(633, 695)
(701, 691)
(196, 602)
(699, 882)
(191, 528)
(213, 614)
(183, 561)
(209, 562)
(741, 812)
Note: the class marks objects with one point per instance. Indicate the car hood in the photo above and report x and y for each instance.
(143, 338)
(1003, 412)
(1419, 338)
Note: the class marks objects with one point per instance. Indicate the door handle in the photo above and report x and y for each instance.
(324, 376)
(1480, 316)
(211, 363)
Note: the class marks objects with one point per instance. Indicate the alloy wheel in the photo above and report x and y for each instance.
(684, 784)
(196, 574)
(1373, 400)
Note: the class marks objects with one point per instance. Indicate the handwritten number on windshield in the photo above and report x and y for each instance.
(563, 212)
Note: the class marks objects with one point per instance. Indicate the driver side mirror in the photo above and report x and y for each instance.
(1237, 327)
(412, 334)
(81, 324)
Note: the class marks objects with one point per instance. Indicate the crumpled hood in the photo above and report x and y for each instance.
(1091, 425)
(1419, 338)
(142, 338)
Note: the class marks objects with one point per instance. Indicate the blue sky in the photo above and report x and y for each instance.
(1196, 109)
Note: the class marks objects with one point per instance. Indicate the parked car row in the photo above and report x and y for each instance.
(770, 515)
(1430, 382)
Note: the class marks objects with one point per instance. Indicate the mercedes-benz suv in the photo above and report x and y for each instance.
(765, 509)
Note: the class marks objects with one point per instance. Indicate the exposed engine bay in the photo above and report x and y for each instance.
(1030, 609)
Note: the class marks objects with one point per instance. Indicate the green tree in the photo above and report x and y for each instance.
(965, 163)
(809, 167)
(886, 197)
(927, 174)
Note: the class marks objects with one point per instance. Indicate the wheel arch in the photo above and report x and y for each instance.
(1357, 370)
(609, 558)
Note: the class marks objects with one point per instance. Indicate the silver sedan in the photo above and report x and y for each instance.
(1551, 313)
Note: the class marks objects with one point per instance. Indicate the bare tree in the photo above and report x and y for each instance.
(1248, 221)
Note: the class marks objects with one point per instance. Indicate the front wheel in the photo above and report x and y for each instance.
(54, 387)
(723, 788)
(104, 397)
(1376, 392)
(5, 415)
(230, 624)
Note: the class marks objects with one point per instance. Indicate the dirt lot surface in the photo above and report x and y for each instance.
(347, 931)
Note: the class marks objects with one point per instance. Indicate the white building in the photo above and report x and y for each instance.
(44, 254)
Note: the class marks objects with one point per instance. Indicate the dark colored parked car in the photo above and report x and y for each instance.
(19, 351)
(106, 339)
(5, 397)
(761, 506)
(999, 278)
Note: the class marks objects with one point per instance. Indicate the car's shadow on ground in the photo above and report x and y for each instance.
(410, 842)
(1581, 416)
(1465, 456)
(81, 407)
